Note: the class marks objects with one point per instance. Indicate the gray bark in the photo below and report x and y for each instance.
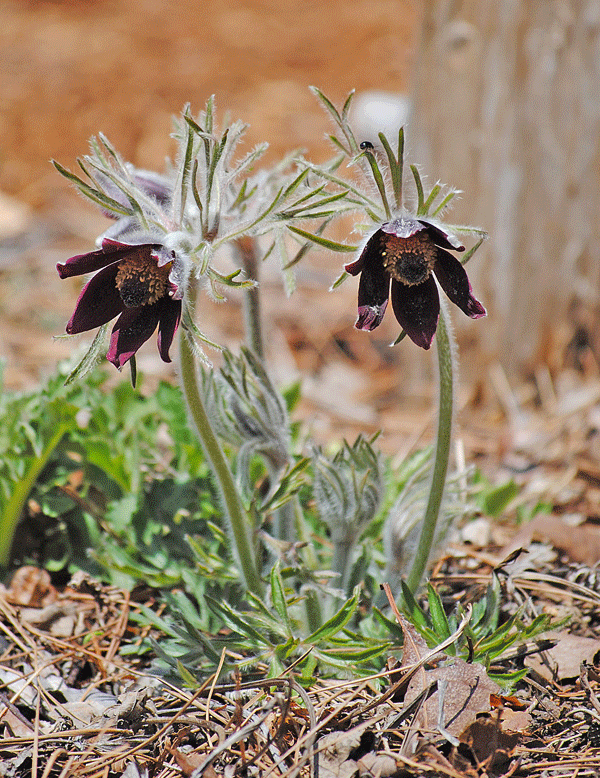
(507, 109)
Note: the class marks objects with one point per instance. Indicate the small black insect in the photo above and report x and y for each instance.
(366, 145)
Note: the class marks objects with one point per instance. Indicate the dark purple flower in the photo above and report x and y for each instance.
(406, 252)
(135, 283)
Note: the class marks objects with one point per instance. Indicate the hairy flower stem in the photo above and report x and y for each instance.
(312, 603)
(234, 510)
(342, 553)
(448, 364)
(246, 248)
(284, 521)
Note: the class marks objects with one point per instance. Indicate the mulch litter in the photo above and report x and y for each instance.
(71, 705)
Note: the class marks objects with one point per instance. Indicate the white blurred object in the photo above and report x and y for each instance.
(14, 217)
(478, 532)
(375, 112)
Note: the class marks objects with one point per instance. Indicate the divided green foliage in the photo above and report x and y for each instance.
(120, 484)
(482, 640)
(264, 635)
(136, 499)
(121, 487)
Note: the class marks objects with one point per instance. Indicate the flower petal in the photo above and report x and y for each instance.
(455, 282)
(370, 316)
(98, 303)
(168, 323)
(442, 238)
(93, 260)
(132, 329)
(417, 309)
(160, 187)
(373, 293)
(371, 254)
(157, 186)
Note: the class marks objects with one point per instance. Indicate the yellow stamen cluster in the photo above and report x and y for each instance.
(139, 279)
(409, 260)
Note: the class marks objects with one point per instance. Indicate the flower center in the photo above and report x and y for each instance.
(409, 260)
(140, 281)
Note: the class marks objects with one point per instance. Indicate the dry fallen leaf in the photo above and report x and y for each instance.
(335, 750)
(59, 618)
(380, 765)
(500, 701)
(15, 724)
(465, 692)
(133, 770)
(462, 689)
(565, 658)
(31, 586)
(187, 763)
(581, 542)
(488, 741)
(515, 720)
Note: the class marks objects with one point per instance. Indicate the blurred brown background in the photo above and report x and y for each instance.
(72, 68)
(505, 107)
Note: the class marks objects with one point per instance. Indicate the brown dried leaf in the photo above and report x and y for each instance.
(187, 763)
(15, 724)
(581, 542)
(466, 690)
(380, 765)
(59, 618)
(489, 742)
(515, 720)
(500, 701)
(31, 587)
(334, 753)
(565, 658)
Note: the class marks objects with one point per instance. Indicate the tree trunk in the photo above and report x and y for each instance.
(507, 109)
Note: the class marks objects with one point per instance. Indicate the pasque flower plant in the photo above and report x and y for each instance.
(168, 237)
(406, 256)
(308, 559)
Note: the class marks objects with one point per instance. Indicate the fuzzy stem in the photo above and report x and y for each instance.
(313, 611)
(342, 550)
(304, 536)
(246, 248)
(234, 510)
(312, 603)
(447, 361)
(284, 519)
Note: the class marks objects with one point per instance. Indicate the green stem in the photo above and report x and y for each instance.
(243, 546)
(313, 610)
(252, 319)
(14, 508)
(342, 550)
(447, 359)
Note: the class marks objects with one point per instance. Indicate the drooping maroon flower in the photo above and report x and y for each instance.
(139, 283)
(406, 252)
